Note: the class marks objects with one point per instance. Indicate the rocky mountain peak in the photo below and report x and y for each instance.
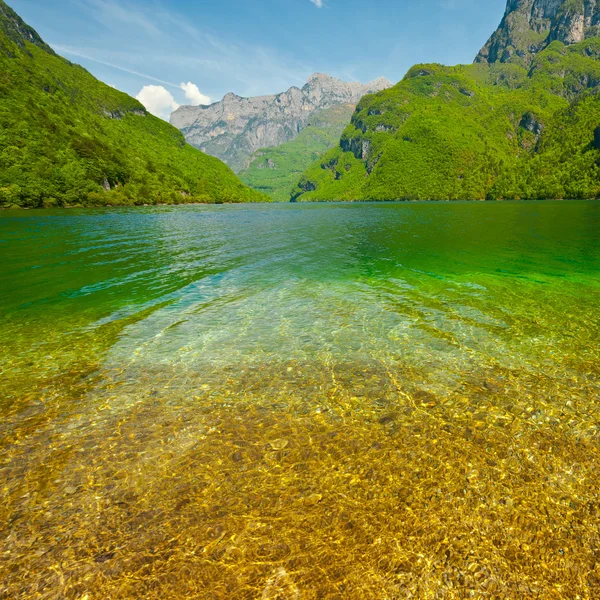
(529, 26)
(234, 128)
(380, 82)
(316, 77)
(327, 82)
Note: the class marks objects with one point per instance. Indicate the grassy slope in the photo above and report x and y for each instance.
(65, 136)
(276, 171)
(472, 132)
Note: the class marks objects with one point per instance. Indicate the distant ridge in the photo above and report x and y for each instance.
(234, 128)
(276, 171)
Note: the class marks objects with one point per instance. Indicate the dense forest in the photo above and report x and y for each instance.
(481, 131)
(67, 139)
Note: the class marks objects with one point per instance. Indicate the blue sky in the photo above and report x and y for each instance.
(254, 47)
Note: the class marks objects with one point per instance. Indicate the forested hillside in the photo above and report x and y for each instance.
(500, 130)
(67, 139)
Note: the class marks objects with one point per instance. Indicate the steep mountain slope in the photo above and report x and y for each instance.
(276, 171)
(68, 139)
(488, 130)
(234, 128)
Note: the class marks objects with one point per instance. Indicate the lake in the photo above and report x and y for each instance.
(301, 401)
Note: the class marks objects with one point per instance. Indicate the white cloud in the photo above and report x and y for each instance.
(193, 94)
(317, 3)
(158, 100)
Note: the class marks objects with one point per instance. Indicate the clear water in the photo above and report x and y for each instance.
(301, 401)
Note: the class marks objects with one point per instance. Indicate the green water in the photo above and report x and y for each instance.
(301, 401)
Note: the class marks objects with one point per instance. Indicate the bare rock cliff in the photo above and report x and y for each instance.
(234, 128)
(529, 26)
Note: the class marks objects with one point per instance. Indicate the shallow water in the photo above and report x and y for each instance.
(301, 401)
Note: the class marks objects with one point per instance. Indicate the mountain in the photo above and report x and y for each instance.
(275, 171)
(66, 139)
(234, 128)
(529, 26)
(518, 129)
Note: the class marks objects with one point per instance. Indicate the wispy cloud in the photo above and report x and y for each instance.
(317, 3)
(109, 13)
(261, 64)
(78, 53)
(155, 34)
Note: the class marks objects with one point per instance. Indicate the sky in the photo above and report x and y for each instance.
(175, 52)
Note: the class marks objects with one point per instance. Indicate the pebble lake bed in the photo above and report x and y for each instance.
(303, 401)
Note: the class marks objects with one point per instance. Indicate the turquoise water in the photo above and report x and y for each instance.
(301, 401)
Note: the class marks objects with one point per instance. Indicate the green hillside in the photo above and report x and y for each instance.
(472, 132)
(66, 139)
(276, 171)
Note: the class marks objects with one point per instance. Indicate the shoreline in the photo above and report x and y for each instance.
(312, 202)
